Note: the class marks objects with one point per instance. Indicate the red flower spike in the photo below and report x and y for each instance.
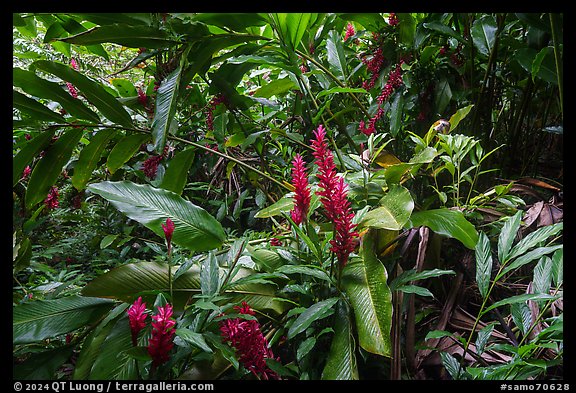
(72, 90)
(349, 31)
(142, 99)
(393, 19)
(343, 242)
(168, 231)
(161, 341)
(137, 318)
(150, 166)
(26, 172)
(302, 191)
(275, 242)
(326, 171)
(51, 200)
(250, 344)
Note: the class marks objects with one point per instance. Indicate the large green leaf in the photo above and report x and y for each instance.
(459, 116)
(283, 205)
(365, 283)
(292, 27)
(34, 108)
(166, 100)
(313, 313)
(484, 34)
(235, 21)
(125, 35)
(124, 150)
(533, 239)
(38, 87)
(43, 365)
(93, 91)
(89, 157)
(195, 229)
(394, 210)
(371, 21)
(336, 57)
(451, 223)
(32, 148)
(42, 319)
(148, 278)
(507, 235)
(47, 170)
(341, 363)
(275, 88)
(176, 175)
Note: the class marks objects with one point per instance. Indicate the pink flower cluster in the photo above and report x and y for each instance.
(250, 344)
(373, 65)
(393, 19)
(214, 102)
(394, 81)
(349, 31)
(161, 341)
(26, 172)
(51, 200)
(142, 98)
(302, 191)
(71, 88)
(150, 166)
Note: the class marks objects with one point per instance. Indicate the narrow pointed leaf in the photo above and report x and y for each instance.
(341, 363)
(47, 170)
(365, 283)
(166, 100)
(89, 158)
(195, 228)
(543, 275)
(36, 321)
(336, 57)
(451, 223)
(413, 275)
(534, 239)
(93, 91)
(283, 205)
(482, 338)
(530, 256)
(209, 275)
(125, 35)
(521, 299)
(317, 311)
(483, 253)
(41, 88)
(275, 88)
(25, 156)
(521, 316)
(484, 34)
(176, 175)
(507, 235)
(459, 116)
(35, 109)
(123, 151)
(558, 267)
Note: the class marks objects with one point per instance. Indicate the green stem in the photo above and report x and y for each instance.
(554, 27)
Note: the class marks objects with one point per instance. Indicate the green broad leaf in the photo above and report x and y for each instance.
(308, 270)
(451, 223)
(90, 156)
(407, 27)
(267, 259)
(530, 256)
(543, 275)
(275, 88)
(234, 21)
(484, 34)
(521, 299)
(125, 35)
(313, 313)
(38, 87)
(42, 319)
(296, 27)
(394, 210)
(558, 267)
(415, 289)
(451, 365)
(176, 175)
(93, 91)
(42, 365)
(445, 30)
(194, 338)
(209, 275)
(195, 229)
(35, 109)
(138, 353)
(109, 18)
(544, 66)
(334, 90)
(150, 278)
(305, 347)
(533, 239)
(460, 115)
(412, 275)
(434, 334)
(24, 253)
(336, 57)
(521, 316)
(507, 235)
(341, 363)
(107, 240)
(365, 282)
(30, 150)
(166, 101)
(483, 337)
(47, 170)
(123, 151)
(124, 87)
(371, 21)
(483, 252)
(442, 95)
(396, 114)
(283, 205)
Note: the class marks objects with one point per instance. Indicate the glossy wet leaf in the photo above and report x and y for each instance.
(394, 210)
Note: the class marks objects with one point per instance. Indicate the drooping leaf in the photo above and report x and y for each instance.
(165, 109)
(394, 210)
(234, 21)
(483, 252)
(442, 95)
(484, 34)
(443, 29)
(195, 228)
(520, 299)
(194, 338)
(336, 57)
(451, 223)
(41, 319)
(371, 21)
(319, 310)
(275, 88)
(283, 205)
(530, 256)
(35, 109)
(483, 336)
(25, 156)
(90, 156)
(43, 365)
(209, 275)
(413, 275)
(124, 150)
(176, 175)
(341, 363)
(534, 239)
(459, 116)
(39, 87)
(396, 114)
(93, 91)
(47, 170)
(365, 283)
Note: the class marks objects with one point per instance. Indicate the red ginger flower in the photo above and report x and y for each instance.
(168, 231)
(349, 31)
(51, 200)
(214, 102)
(26, 172)
(250, 344)
(393, 19)
(74, 64)
(275, 242)
(72, 90)
(326, 171)
(343, 242)
(137, 318)
(374, 65)
(161, 341)
(300, 183)
(142, 99)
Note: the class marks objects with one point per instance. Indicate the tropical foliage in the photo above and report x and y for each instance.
(287, 196)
